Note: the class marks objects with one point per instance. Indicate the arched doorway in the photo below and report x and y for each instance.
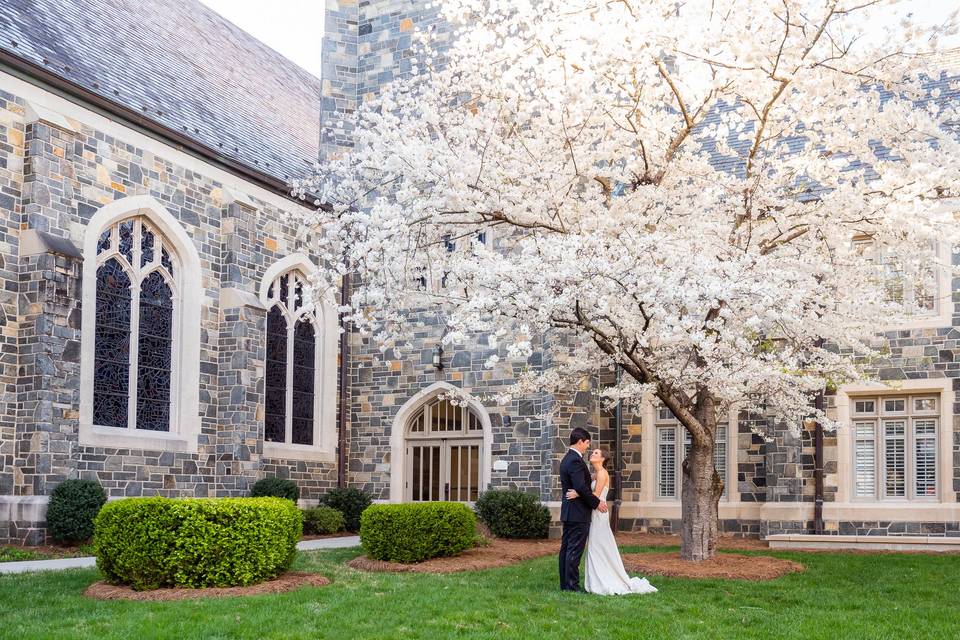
(440, 448)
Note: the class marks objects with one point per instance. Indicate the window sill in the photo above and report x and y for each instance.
(284, 451)
(117, 438)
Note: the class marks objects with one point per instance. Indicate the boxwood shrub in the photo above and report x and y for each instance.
(276, 488)
(196, 542)
(513, 514)
(321, 520)
(350, 502)
(418, 531)
(73, 506)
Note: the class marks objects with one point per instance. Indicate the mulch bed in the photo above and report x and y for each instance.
(666, 540)
(499, 553)
(503, 553)
(286, 582)
(730, 566)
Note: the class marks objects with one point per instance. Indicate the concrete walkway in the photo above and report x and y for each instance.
(81, 563)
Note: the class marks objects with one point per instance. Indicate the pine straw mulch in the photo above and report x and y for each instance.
(729, 566)
(287, 582)
(503, 553)
(499, 553)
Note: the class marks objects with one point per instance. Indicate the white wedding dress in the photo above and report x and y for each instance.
(605, 573)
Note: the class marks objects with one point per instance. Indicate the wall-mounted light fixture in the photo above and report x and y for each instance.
(438, 358)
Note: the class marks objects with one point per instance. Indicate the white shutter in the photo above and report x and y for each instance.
(865, 464)
(666, 462)
(720, 454)
(925, 457)
(895, 458)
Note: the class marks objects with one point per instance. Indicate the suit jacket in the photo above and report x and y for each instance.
(574, 474)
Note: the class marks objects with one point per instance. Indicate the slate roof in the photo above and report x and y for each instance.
(179, 64)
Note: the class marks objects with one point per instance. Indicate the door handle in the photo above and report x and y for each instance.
(446, 491)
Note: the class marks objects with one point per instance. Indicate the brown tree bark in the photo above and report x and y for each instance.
(701, 488)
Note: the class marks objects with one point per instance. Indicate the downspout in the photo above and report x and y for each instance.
(818, 404)
(818, 469)
(344, 386)
(617, 461)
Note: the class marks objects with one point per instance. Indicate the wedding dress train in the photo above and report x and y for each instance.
(605, 573)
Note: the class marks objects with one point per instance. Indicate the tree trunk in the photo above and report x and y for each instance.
(700, 495)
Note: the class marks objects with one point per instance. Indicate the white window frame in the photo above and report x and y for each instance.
(325, 320)
(876, 428)
(934, 506)
(420, 432)
(942, 313)
(725, 441)
(185, 353)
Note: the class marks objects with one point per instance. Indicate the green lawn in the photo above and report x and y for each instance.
(10, 553)
(839, 596)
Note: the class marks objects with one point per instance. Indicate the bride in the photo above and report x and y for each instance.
(605, 573)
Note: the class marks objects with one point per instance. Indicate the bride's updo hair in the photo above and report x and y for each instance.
(605, 455)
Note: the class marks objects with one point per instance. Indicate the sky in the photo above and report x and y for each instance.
(295, 27)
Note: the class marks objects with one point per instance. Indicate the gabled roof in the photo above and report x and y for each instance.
(181, 65)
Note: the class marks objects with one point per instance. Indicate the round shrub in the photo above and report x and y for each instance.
(417, 531)
(196, 542)
(321, 520)
(349, 502)
(513, 514)
(73, 506)
(275, 488)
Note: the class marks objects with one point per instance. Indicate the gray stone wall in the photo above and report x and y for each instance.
(52, 180)
(367, 46)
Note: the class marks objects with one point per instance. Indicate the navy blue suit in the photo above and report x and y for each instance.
(575, 515)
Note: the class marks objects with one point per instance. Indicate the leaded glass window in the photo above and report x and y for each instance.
(134, 330)
(290, 414)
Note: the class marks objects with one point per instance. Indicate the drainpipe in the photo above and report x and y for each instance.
(818, 469)
(344, 386)
(617, 462)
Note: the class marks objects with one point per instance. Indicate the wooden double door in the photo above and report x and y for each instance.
(443, 469)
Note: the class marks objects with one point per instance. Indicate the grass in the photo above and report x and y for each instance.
(839, 596)
(10, 553)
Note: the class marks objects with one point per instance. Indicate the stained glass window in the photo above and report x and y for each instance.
(290, 388)
(111, 382)
(276, 377)
(134, 328)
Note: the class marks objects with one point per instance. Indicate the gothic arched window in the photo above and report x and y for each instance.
(291, 399)
(136, 298)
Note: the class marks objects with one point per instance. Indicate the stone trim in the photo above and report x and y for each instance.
(36, 112)
(34, 243)
(325, 420)
(185, 383)
(942, 387)
(398, 435)
(65, 111)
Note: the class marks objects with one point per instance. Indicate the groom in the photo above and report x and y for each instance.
(575, 514)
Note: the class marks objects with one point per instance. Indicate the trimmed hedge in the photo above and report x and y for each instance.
(73, 506)
(513, 514)
(349, 502)
(321, 520)
(418, 531)
(275, 488)
(150, 543)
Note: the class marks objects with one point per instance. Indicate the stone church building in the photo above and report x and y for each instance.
(153, 334)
